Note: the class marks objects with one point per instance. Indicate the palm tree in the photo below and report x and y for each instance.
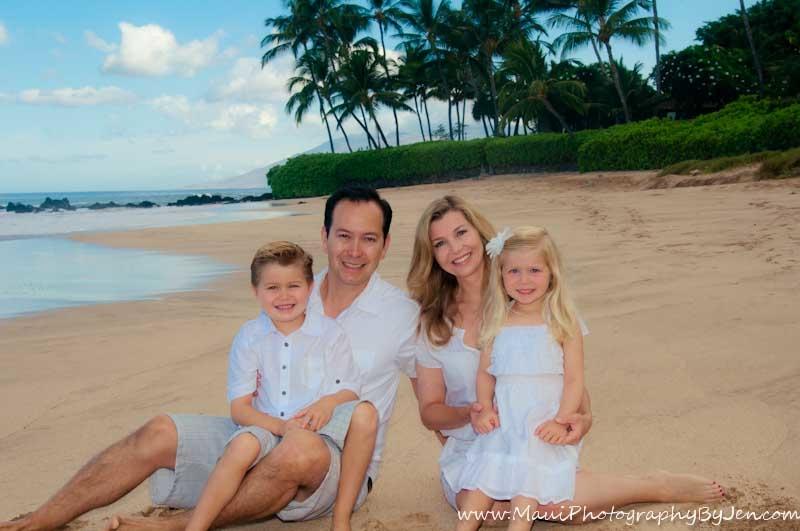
(756, 61)
(387, 14)
(428, 22)
(532, 89)
(656, 27)
(292, 33)
(411, 78)
(361, 86)
(603, 20)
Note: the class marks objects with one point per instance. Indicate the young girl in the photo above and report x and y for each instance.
(288, 370)
(531, 369)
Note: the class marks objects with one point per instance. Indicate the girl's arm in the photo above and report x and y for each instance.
(244, 414)
(431, 391)
(486, 381)
(573, 394)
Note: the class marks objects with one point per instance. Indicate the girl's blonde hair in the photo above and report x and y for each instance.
(558, 309)
(433, 288)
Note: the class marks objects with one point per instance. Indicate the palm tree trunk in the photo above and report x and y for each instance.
(325, 119)
(756, 62)
(618, 83)
(554, 112)
(458, 122)
(378, 127)
(485, 129)
(658, 44)
(493, 89)
(370, 141)
(446, 87)
(516, 128)
(327, 98)
(427, 117)
(419, 118)
(463, 118)
(388, 79)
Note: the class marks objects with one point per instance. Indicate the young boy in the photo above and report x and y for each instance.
(287, 371)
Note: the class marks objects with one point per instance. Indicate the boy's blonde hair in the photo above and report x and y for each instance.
(283, 253)
(558, 309)
(428, 284)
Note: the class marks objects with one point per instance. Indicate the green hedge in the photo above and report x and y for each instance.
(745, 126)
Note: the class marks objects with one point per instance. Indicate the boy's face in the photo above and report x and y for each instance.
(282, 292)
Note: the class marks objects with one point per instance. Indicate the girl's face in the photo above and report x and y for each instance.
(457, 245)
(526, 277)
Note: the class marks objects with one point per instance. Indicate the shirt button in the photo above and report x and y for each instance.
(285, 344)
(283, 393)
(281, 413)
(283, 367)
(337, 381)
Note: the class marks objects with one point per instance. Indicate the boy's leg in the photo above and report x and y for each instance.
(239, 456)
(470, 503)
(522, 513)
(108, 476)
(356, 456)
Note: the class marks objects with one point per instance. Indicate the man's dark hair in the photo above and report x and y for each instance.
(358, 194)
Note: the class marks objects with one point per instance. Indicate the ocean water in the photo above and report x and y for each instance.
(49, 273)
(42, 269)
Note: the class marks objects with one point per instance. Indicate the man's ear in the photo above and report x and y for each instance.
(323, 234)
(386, 242)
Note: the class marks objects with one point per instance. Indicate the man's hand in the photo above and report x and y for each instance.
(483, 420)
(576, 424)
(317, 414)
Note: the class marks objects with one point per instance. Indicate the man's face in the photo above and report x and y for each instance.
(355, 243)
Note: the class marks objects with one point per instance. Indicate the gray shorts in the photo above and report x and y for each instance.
(201, 442)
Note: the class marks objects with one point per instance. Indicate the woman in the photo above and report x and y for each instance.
(448, 278)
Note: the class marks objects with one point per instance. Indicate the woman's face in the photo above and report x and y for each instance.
(457, 245)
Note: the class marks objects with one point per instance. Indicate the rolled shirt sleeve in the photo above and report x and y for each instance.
(341, 371)
(242, 367)
(407, 354)
(424, 353)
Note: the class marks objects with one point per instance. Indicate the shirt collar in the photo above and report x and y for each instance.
(312, 324)
(366, 301)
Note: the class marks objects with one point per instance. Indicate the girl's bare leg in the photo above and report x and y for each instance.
(597, 492)
(471, 502)
(356, 456)
(224, 481)
(522, 513)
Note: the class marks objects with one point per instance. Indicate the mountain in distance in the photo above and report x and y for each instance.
(257, 178)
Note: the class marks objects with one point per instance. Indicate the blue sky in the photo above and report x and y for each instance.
(157, 95)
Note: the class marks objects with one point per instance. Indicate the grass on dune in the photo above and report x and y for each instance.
(774, 164)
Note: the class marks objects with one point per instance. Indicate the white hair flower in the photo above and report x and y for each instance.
(495, 246)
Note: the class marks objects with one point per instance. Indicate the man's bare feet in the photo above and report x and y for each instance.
(143, 523)
(687, 488)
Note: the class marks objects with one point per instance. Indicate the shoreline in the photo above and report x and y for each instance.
(683, 376)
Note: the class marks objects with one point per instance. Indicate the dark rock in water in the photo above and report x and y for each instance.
(301, 202)
(203, 199)
(20, 208)
(253, 198)
(142, 204)
(56, 204)
(101, 206)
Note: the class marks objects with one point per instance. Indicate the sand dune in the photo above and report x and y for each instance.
(690, 294)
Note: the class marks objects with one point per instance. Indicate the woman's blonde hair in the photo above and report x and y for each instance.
(433, 288)
(558, 309)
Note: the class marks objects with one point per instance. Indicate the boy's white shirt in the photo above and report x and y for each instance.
(381, 324)
(290, 372)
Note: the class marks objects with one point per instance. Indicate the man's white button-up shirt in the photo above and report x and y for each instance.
(381, 324)
(288, 373)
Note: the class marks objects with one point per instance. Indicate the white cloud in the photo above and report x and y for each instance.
(248, 82)
(93, 40)
(76, 97)
(3, 34)
(59, 38)
(151, 50)
(249, 119)
(255, 121)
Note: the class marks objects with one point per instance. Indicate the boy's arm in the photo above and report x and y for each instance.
(244, 414)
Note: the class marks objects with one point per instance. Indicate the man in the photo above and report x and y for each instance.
(298, 479)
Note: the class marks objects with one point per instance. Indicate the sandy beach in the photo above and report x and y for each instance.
(690, 292)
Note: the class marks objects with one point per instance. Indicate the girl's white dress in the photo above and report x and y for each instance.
(528, 364)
